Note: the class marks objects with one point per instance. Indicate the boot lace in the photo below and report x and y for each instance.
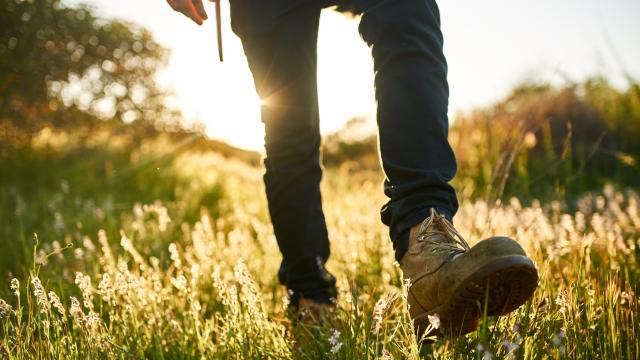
(437, 224)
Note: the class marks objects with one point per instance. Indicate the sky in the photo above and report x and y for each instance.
(490, 45)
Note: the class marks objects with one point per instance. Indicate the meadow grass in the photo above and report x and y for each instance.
(144, 251)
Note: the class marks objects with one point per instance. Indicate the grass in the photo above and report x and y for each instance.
(150, 250)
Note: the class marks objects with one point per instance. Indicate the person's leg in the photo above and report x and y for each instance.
(412, 95)
(283, 62)
(447, 277)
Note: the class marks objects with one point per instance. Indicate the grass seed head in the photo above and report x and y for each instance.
(15, 287)
(40, 295)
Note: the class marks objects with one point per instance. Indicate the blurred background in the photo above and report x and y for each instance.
(98, 100)
(491, 47)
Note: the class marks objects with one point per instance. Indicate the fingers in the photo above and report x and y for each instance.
(187, 8)
(193, 13)
(200, 9)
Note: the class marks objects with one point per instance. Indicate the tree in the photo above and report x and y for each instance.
(54, 59)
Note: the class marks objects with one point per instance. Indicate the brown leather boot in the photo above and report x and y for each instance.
(460, 283)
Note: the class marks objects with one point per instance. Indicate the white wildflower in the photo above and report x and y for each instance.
(627, 297)
(434, 320)
(56, 303)
(88, 244)
(484, 351)
(175, 256)
(76, 310)
(105, 287)
(180, 283)
(15, 287)
(127, 245)
(561, 300)
(334, 341)
(84, 283)
(557, 341)
(5, 310)
(286, 299)
(381, 307)
(40, 295)
(511, 348)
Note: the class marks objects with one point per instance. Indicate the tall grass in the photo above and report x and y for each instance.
(539, 142)
(551, 143)
(182, 265)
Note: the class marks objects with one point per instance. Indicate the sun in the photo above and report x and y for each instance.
(223, 97)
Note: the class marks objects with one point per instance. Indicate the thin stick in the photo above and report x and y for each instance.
(219, 29)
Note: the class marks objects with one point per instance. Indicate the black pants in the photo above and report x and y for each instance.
(412, 96)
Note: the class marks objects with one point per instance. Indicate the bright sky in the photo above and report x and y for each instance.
(490, 46)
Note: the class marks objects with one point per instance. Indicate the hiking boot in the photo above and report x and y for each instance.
(460, 284)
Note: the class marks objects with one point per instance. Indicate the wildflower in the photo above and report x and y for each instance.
(543, 306)
(434, 320)
(5, 309)
(511, 348)
(286, 299)
(173, 249)
(41, 258)
(386, 355)
(334, 341)
(195, 275)
(180, 283)
(55, 301)
(484, 350)
(196, 307)
(516, 328)
(15, 287)
(76, 310)
(84, 283)
(557, 341)
(57, 248)
(561, 300)
(92, 320)
(126, 244)
(105, 288)
(41, 296)
(88, 244)
(627, 297)
(378, 313)
(382, 306)
(163, 216)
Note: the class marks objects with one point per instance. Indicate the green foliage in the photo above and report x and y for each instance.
(54, 57)
(130, 242)
(540, 142)
(547, 143)
(164, 280)
(351, 146)
(97, 173)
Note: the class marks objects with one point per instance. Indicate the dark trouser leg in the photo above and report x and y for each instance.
(283, 62)
(412, 95)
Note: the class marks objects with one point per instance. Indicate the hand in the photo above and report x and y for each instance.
(193, 9)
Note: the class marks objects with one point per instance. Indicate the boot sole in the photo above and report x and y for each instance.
(497, 288)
